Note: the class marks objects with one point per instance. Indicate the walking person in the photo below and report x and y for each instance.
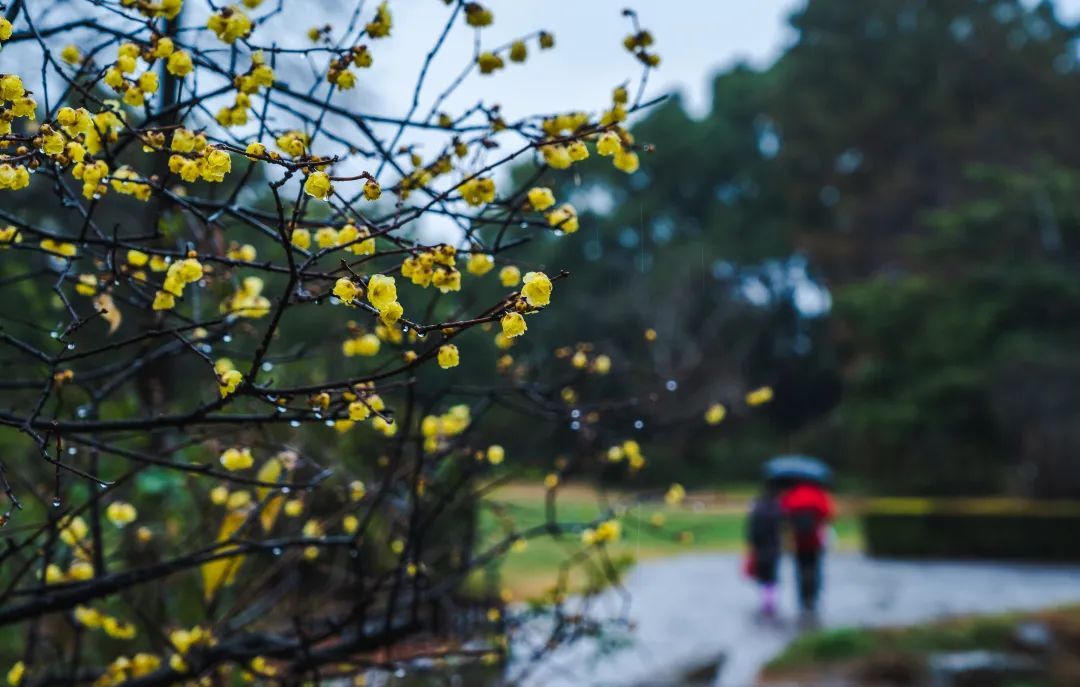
(763, 527)
(808, 508)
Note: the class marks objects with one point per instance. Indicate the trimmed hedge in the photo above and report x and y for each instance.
(973, 528)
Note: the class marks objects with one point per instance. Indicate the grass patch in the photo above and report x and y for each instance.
(704, 522)
(989, 632)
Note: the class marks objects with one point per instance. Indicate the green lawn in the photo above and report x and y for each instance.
(704, 522)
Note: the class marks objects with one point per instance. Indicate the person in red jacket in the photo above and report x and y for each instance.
(808, 508)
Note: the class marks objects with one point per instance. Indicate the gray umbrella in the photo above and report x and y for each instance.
(797, 468)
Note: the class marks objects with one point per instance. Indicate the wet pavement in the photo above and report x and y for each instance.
(693, 609)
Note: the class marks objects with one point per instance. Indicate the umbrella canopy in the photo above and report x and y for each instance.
(798, 468)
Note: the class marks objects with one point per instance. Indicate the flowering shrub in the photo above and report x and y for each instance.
(229, 344)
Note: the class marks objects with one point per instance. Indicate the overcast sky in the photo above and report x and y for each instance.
(695, 38)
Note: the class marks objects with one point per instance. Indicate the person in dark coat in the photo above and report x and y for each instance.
(763, 532)
(808, 508)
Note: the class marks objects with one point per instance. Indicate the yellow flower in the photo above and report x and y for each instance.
(5, 29)
(218, 164)
(372, 190)
(15, 675)
(163, 47)
(237, 459)
(318, 185)
(326, 237)
(121, 513)
(495, 454)
(163, 300)
(11, 87)
(564, 217)
(557, 156)
(537, 289)
(356, 490)
(358, 411)
(448, 356)
(88, 617)
(179, 63)
(477, 15)
(148, 82)
(9, 235)
(675, 495)
(382, 291)
(350, 523)
(608, 144)
(513, 324)
(489, 62)
(546, 40)
(480, 264)
(219, 495)
(541, 198)
(391, 313)
(759, 396)
(380, 26)
(117, 629)
(294, 508)
(477, 192)
(71, 54)
(626, 161)
(577, 151)
(715, 413)
(301, 238)
(230, 380)
(509, 276)
(346, 290)
(601, 364)
(518, 51)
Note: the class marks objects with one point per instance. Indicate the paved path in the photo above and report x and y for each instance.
(693, 608)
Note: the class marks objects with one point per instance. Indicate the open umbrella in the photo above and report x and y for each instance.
(797, 468)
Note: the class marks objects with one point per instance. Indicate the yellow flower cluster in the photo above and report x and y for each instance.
(607, 531)
(616, 144)
(490, 61)
(478, 191)
(164, 8)
(229, 24)
(350, 237)
(379, 27)
(338, 73)
(248, 300)
(674, 495)
(120, 76)
(193, 158)
(438, 430)
(382, 293)
(228, 377)
(630, 451)
(434, 266)
(259, 75)
(93, 619)
(637, 43)
(179, 275)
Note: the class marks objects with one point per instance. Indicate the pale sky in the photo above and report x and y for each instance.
(695, 39)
